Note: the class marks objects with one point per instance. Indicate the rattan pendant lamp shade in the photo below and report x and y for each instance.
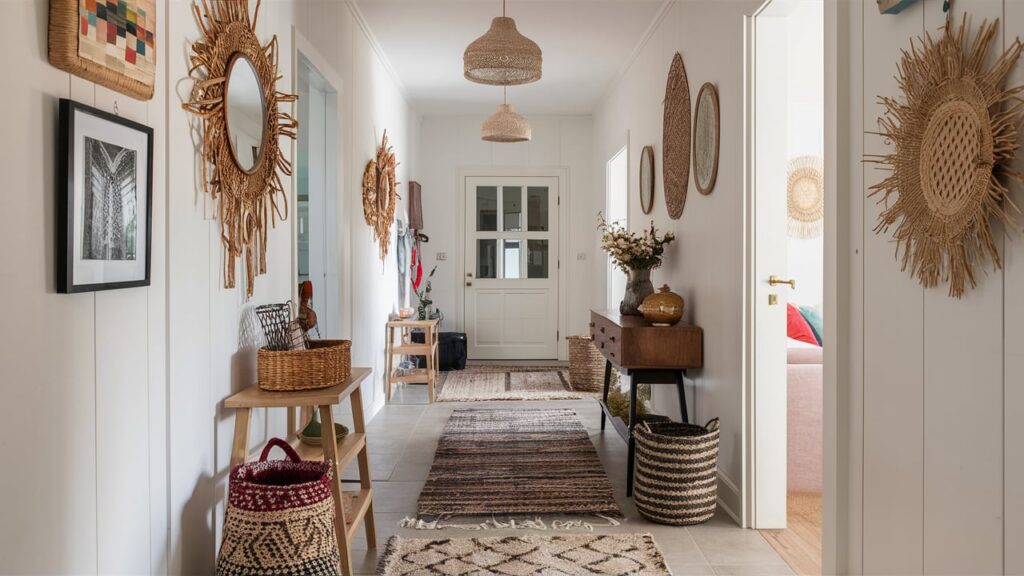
(506, 126)
(502, 56)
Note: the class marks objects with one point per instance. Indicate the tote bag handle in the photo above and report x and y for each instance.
(284, 446)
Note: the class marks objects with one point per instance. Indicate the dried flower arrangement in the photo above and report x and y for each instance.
(629, 250)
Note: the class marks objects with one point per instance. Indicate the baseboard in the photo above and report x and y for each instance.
(729, 499)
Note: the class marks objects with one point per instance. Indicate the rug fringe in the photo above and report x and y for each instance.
(535, 523)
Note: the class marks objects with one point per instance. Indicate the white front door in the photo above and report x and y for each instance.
(511, 276)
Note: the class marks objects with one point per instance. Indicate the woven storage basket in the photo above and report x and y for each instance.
(676, 478)
(280, 518)
(324, 364)
(586, 365)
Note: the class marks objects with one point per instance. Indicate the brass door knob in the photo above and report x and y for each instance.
(469, 283)
(774, 280)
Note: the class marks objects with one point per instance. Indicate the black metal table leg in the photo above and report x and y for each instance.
(682, 395)
(607, 383)
(631, 442)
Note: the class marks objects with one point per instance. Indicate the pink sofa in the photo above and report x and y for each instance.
(804, 418)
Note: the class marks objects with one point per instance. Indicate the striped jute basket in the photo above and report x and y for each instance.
(676, 478)
(324, 364)
(586, 365)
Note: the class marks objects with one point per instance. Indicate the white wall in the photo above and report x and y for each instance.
(705, 264)
(213, 333)
(82, 423)
(932, 400)
(450, 143)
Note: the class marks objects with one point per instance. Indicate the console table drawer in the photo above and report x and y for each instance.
(607, 337)
(629, 342)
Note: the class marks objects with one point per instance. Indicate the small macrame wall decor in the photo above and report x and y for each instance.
(380, 194)
(675, 136)
(805, 197)
(235, 96)
(955, 135)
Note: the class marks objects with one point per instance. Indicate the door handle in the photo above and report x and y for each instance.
(469, 283)
(774, 280)
(469, 274)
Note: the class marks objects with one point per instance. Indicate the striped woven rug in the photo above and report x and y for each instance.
(513, 462)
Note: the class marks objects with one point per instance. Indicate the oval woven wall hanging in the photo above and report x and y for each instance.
(953, 140)
(247, 196)
(380, 194)
(675, 136)
(805, 197)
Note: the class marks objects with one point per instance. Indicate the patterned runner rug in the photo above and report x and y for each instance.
(484, 383)
(581, 554)
(515, 462)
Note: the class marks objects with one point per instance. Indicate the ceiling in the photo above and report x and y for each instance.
(585, 44)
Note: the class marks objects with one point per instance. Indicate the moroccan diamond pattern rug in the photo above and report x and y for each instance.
(569, 554)
(486, 383)
(513, 462)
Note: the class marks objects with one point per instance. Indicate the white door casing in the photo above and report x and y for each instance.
(511, 267)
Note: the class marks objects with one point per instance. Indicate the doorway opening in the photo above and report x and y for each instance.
(512, 268)
(317, 246)
(616, 210)
(786, 204)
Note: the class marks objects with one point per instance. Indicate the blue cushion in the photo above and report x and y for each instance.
(813, 316)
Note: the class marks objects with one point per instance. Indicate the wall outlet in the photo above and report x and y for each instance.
(581, 255)
(442, 256)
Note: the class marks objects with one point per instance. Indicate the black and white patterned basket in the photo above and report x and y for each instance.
(676, 478)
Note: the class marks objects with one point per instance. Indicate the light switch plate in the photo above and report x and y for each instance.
(581, 255)
(441, 256)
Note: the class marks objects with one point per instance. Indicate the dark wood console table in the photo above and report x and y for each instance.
(648, 355)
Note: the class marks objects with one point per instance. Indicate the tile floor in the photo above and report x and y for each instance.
(402, 439)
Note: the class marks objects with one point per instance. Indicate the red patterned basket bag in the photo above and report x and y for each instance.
(280, 518)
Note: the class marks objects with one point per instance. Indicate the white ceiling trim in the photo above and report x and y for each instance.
(640, 45)
(357, 14)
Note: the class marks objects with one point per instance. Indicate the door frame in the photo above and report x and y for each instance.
(302, 47)
(835, 494)
(564, 206)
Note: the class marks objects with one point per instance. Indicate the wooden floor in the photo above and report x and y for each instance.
(800, 543)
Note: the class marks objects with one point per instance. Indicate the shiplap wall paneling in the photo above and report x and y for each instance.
(893, 347)
(1013, 344)
(963, 384)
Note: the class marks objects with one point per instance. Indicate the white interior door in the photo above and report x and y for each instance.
(511, 276)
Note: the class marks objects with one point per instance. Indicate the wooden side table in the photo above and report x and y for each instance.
(341, 453)
(403, 329)
(649, 355)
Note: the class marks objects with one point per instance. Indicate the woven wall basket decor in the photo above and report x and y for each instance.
(805, 197)
(955, 135)
(252, 197)
(675, 158)
(380, 194)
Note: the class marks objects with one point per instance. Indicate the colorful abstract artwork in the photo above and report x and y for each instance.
(110, 42)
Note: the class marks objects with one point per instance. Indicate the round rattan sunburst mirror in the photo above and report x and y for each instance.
(954, 138)
(805, 197)
(380, 194)
(235, 96)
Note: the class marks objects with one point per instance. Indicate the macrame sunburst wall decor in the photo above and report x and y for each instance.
(247, 198)
(805, 197)
(380, 194)
(955, 135)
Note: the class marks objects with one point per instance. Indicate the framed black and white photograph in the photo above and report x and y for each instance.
(104, 210)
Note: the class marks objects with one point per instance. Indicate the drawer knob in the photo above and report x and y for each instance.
(602, 344)
(592, 324)
(612, 338)
(602, 329)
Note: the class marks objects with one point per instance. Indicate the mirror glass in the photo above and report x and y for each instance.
(647, 179)
(245, 112)
(705, 140)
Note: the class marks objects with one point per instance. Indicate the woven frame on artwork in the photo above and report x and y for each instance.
(110, 43)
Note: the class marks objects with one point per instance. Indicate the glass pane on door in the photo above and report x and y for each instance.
(487, 258)
(512, 208)
(537, 259)
(487, 208)
(511, 259)
(537, 208)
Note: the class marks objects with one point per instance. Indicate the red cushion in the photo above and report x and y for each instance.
(797, 327)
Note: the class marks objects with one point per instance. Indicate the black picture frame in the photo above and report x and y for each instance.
(67, 234)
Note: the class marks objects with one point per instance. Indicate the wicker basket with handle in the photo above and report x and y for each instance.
(586, 365)
(676, 472)
(324, 364)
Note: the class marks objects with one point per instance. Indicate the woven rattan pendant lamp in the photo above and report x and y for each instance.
(502, 56)
(505, 125)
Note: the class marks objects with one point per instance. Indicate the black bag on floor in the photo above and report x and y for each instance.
(451, 351)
